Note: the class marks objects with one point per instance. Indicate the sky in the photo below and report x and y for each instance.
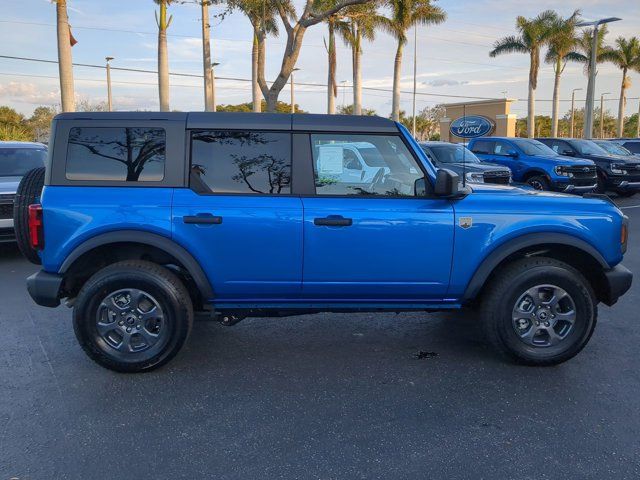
(453, 58)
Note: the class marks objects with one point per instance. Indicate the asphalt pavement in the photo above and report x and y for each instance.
(321, 396)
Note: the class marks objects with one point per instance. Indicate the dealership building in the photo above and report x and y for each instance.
(479, 118)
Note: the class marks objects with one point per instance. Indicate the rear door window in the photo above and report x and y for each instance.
(127, 154)
(236, 162)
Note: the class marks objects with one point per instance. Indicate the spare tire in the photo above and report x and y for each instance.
(28, 193)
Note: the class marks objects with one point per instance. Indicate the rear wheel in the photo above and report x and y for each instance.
(132, 316)
(28, 193)
(539, 311)
(539, 182)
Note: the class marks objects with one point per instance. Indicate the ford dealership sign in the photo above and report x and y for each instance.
(472, 126)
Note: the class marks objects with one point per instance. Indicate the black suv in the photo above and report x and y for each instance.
(615, 173)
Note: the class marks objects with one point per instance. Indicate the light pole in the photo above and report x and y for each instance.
(293, 100)
(344, 92)
(573, 110)
(602, 113)
(591, 85)
(415, 70)
(213, 86)
(109, 99)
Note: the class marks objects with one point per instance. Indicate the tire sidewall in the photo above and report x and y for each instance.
(85, 312)
(541, 180)
(582, 328)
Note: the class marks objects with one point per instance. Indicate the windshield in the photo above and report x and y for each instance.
(372, 157)
(588, 147)
(15, 162)
(614, 148)
(453, 154)
(533, 147)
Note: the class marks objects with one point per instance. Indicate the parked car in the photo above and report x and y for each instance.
(615, 173)
(146, 218)
(16, 159)
(462, 161)
(631, 144)
(613, 148)
(533, 163)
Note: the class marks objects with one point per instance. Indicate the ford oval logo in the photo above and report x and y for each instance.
(471, 126)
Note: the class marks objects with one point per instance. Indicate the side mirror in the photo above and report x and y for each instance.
(420, 187)
(513, 154)
(446, 183)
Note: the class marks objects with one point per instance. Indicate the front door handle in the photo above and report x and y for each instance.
(207, 219)
(333, 221)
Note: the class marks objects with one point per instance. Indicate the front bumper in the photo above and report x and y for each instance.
(576, 188)
(617, 283)
(44, 288)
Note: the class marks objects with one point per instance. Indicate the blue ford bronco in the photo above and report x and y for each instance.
(146, 218)
(534, 163)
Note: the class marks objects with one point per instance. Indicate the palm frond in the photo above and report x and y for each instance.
(510, 44)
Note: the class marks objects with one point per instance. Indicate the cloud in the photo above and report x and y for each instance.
(29, 93)
(445, 82)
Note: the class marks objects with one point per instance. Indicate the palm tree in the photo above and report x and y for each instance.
(163, 56)
(65, 61)
(584, 45)
(561, 49)
(360, 24)
(206, 55)
(534, 33)
(262, 16)
(404, 15)
(625, 56)
(333, 23)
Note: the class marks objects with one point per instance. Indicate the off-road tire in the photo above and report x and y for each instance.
(507, 286)
(28, 193)
(540, 180)
(171, 295)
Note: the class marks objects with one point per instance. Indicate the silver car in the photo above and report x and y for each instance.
(16, 159)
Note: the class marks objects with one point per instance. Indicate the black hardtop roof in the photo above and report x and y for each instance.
(249, 120)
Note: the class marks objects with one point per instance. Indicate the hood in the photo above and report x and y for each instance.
(564, 160)
(475, 167)
(9, 184)
(611, 158)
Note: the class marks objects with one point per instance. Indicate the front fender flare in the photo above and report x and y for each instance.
(502, 251)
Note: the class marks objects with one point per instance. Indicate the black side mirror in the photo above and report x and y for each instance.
(420, 187)
(446, 183)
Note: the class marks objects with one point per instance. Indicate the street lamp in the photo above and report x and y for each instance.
(602, 113)
(591, 85)
(573, 99)
(293, 100)
(109, 99)
(213, 86)
(415, 70)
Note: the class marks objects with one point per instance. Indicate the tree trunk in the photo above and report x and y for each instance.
(331, 75)
(65, 61)
(272, 100)
(531, 112)
(256, 98)
(556, 99)
(163, 59)
(397, 67)
(206, 58)
(357, 73)
(621, 105)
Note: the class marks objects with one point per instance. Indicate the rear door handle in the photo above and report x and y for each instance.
(333, 221)
(207, 219)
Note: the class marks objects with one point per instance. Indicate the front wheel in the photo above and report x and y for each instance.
(539, 311)
(539, 182)
(132, 316)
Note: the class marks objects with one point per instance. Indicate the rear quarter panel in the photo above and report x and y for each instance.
(73, 215)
